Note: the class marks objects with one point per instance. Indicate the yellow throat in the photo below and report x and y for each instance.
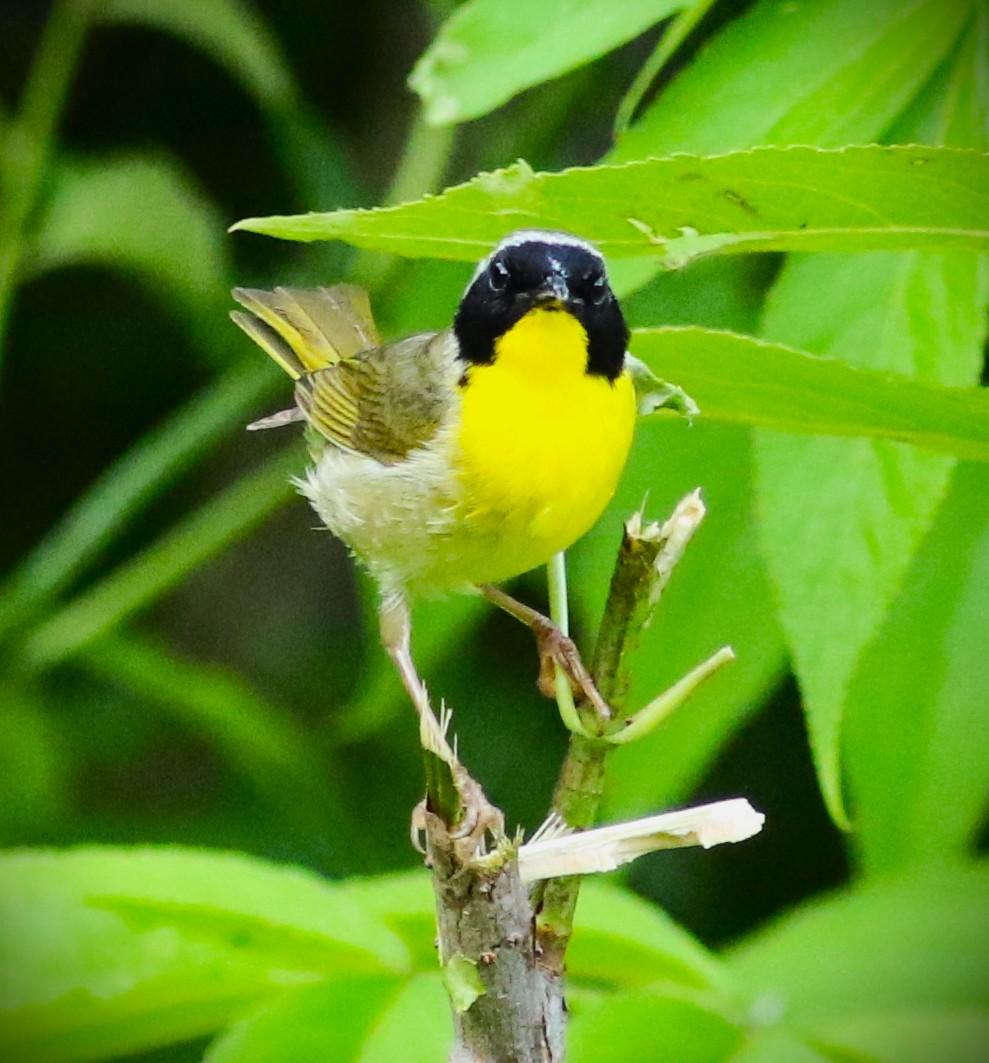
(543, 443)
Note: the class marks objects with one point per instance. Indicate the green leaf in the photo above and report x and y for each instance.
(917, 731)
(138, 582)
(917, 1036)
(716, 293)
(78, 981)
(659, 1025)
(218, 885)
(775, 1044)
(231, 33)
(745, 380)
(901, 944)
(328, 1023)
(489, 50)
(462, 982)
(130, 483)
(622, 941)
(825, 72)
(840, 521)
(653, 394)
(284, 945)
(141, 214)
(768, 199)
(795, 74)
(918, 783)
(954, 104)
(403, 902)
(415, 1028)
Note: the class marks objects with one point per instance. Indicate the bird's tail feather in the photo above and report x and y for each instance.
(307, 329)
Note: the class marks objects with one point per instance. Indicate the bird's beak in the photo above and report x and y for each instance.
(554, 290)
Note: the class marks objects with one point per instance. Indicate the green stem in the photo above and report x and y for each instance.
(556, 578)
(559, 611)
(660, 707)
(630, 604)
(644, 562)
(676, 33)
(421, 169)
(579, 789)
(27, 147)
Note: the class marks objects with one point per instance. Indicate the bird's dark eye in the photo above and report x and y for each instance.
(498, 275)
(592, 288)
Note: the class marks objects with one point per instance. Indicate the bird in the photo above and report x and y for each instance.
(453, 461)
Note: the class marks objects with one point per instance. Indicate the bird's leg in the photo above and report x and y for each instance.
(395, 624)
(555, 648)
(480, 816)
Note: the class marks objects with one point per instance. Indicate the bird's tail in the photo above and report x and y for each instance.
(306, 329)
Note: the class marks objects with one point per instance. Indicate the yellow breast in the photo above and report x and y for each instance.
(542, 445)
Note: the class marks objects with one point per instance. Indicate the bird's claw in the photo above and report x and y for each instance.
(480, 818)
(417, 828)
(558, 650)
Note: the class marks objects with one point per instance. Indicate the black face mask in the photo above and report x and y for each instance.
(564, 276)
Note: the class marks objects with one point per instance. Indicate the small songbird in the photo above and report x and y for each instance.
(452, 461)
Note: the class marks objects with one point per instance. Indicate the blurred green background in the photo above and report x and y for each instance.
(185, 659)
(199, 666)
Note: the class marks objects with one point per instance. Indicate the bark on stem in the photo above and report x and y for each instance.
(486, 921)
(507, 1006)
(502, 959)
(645, 561)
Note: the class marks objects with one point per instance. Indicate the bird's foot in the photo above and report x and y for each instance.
(558, 650)
(481, 820)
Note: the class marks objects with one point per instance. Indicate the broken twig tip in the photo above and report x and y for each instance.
(606, 848)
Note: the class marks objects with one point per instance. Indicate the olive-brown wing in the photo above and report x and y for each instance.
(387, 401)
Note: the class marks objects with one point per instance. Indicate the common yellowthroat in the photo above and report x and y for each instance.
(454, 460)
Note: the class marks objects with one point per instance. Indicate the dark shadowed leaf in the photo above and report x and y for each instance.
(231, 33)
(140, 214)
